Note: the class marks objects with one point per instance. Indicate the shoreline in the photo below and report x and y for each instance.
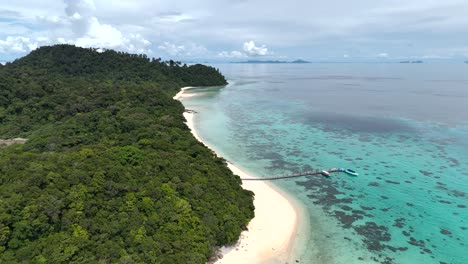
(272, 233)
(180, 94)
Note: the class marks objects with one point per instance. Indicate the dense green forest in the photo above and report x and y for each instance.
(110, 173)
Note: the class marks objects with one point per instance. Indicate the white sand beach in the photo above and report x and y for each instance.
(181, 94)
(272, 232)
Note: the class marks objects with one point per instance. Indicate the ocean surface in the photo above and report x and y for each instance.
(403, 127)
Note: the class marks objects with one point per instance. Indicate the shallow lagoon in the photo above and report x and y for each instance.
(404, 128)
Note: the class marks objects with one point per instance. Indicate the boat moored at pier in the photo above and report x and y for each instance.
(351, 172)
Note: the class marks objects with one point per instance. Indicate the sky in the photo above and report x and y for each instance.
(236, 30)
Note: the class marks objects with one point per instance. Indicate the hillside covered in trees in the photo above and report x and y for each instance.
(110, 173)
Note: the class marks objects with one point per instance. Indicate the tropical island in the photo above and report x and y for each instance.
(107, 171)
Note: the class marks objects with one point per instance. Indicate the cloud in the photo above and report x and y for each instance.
(90, 32)
(20, 44)
(172, 49)
(4, 13)
(51, 20)
(14, 44)
(187, 50)
(78, 26)
(448, 52)
(80, 14)
(232, 54)
(249, 50)
(252, 50)
(171, 17)
(435, 56)
(383, 55)
(83, 7)
(361, 27)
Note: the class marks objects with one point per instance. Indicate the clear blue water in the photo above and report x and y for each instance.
(404, 128)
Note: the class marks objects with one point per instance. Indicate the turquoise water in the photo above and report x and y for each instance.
(404, 128)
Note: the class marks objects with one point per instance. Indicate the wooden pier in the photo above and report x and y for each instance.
(295, 175)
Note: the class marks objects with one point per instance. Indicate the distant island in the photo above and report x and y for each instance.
(300, 61)
(271, 61)
(417, 61)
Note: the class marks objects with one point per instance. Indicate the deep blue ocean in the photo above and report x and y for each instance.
(403, 127)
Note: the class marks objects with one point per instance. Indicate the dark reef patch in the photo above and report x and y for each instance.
(346, 208)
(419, 243)
(395, 249)
(427, 250)
(445, 232)
(347, 220)
(392, 182)
(399, 222)
(457, 193)
(455, 162)
(425, 173)
(374, 235)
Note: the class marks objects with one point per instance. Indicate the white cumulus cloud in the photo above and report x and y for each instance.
(19, 44)
(383, 55)
(90, 32)
(249, 49)
(80, 26)
(253, 50)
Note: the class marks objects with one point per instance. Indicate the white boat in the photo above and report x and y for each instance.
(351, 172)
(325, 173)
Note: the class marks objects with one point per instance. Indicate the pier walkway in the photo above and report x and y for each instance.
(295, 175)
